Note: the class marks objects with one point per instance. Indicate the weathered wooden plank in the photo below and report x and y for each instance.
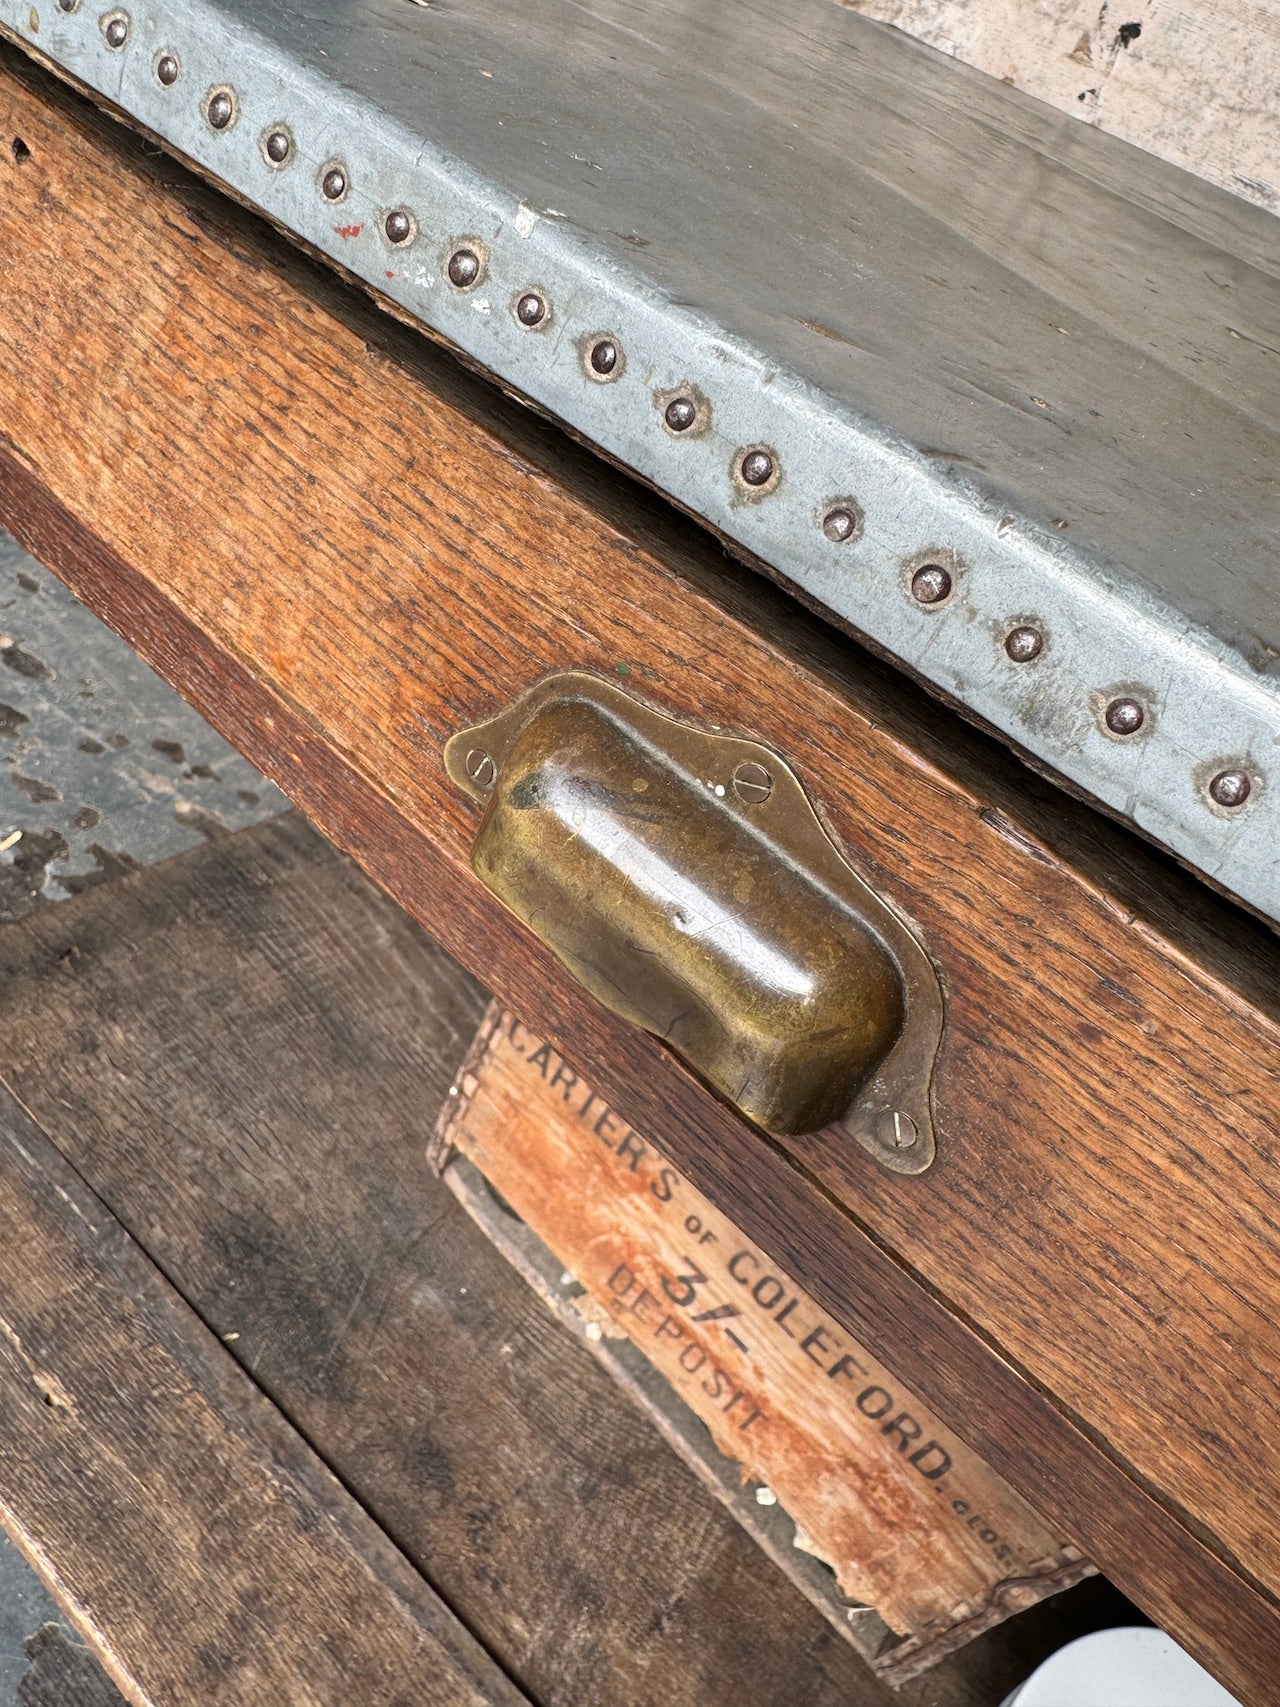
(191, 1535)
(343, 552)
(244, 1051)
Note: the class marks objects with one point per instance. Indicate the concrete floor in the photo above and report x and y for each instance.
(102, 768)
(24, 1607)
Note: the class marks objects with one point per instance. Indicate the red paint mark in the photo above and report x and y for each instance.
(391, 275)
(348, 230)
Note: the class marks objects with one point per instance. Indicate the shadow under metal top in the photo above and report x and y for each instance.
(1004, 344)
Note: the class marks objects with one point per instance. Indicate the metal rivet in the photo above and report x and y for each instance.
(220, 108)
(1125, 716)
(839, 524)
(752, 783)
(1231, 788)
(481, 768)
(930, 584)
(604, 356)
(464, 268)
(756, 468)
(680, 414)
(116, 29)
(278, 146)
(167, 70)
(531, 310)
(398, 226)
(334, 183)
(895, 1130)
(1024, 643)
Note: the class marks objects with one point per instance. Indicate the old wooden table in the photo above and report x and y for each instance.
(279, 1423)
(343, 549)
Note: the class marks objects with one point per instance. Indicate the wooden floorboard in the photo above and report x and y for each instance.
(190, 1534)
(244, 1050)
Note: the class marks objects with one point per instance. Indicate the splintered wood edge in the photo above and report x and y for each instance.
(441, 1147)
(895, 1659)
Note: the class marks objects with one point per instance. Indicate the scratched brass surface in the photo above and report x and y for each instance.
(685, 879)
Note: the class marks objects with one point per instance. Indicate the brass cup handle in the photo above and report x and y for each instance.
(684, 878)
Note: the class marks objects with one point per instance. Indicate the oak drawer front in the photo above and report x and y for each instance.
(344, 550)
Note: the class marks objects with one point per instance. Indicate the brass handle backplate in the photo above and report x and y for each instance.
(684, 878)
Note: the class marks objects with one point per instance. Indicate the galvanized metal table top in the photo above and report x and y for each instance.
(1002, 394)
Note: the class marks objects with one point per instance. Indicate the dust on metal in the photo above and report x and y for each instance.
(1038, 462)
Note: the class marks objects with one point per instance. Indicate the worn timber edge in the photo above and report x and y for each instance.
(1207, 711)
(191, 1536)
(897, 1660)
(1144, 1544)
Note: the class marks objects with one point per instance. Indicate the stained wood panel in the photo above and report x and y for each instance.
(343, 551)
(189, 1532)
(244, 1050)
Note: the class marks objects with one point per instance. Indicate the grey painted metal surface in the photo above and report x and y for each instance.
(1006, 345)
(102, 766)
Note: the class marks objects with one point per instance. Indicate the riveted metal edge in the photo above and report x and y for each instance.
(1101, 631)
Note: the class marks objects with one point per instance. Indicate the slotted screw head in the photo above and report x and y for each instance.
(604, 355)
(752, 783)
(278, 146)
(116, 30)
(930, 584)
(167, 70)
(839, 524)
(1231, 788)
(896, 1130)
(221, 109)
(1125, 716)
(464, 268)
(1024, 643)
(756, 467)
(481, 768)
(680, 414)
(398, 226)
(531, 309)
(334, 184)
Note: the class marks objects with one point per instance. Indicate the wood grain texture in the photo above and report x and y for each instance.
(244, 1051)
(342, 551)
(1193, 81)
(908, 1519)
(187, 1530)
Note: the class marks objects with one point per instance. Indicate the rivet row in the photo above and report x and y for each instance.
(757, 469)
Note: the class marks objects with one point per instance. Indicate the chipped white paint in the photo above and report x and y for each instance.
(1196, 82)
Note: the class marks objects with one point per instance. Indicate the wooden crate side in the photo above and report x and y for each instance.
(910, 1520)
